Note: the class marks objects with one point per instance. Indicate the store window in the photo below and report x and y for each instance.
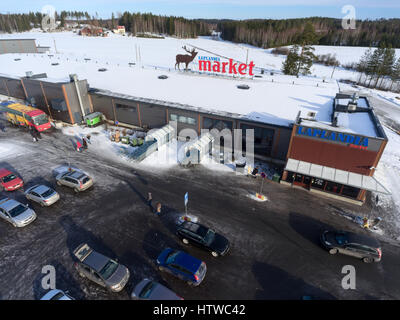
(333, 187)
(182, 119)
(263, 139)
(350, 192)
(318, 183)
(209, 123)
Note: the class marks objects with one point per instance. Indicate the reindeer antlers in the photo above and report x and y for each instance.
(184, 48)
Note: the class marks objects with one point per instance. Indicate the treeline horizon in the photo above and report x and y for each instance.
(263, 33)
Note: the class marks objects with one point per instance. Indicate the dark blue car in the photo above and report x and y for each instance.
(182, 265)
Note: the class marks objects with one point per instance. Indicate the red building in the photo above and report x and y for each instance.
(339, 158)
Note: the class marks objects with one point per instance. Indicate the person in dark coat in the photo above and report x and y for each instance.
(37, 133)
(33, 134)
(85, 145)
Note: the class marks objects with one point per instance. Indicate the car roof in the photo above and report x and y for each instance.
(187, 261)
(39, 188)
(4, 172)
(77, 174)
(364, 240)
(96, 261)
(91, 258)
(161, 292)
(195, 227)
(359, 239)
(8, 203)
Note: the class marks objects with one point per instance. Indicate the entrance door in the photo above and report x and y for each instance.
(302, 181)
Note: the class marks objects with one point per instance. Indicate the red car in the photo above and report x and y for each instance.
(9, 180)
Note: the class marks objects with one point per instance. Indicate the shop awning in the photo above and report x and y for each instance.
(335, 175)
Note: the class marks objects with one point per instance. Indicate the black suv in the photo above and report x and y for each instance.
(366, 248)
(203, 237)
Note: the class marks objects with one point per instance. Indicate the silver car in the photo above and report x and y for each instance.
(42, 194)
(100, 269)
(16, 213)
(56, 294)
(75, 179)
(152, 290)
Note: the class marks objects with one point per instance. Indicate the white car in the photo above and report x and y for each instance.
(56, 294)
(42, 194)
(16, 213)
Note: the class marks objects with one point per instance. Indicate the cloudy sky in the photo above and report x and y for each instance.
(230, 9)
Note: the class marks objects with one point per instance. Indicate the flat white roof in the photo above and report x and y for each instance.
(276, 102)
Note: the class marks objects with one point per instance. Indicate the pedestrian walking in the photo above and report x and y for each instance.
(33, 134)
(85, 146)
(37, 133)
(149, 201)
(158, 208)
(88, 138)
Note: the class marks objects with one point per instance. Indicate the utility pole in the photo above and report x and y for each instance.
(55, 46)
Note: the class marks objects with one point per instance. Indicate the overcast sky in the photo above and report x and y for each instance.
(230, 9)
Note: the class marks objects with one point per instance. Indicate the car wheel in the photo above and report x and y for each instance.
(161, 268)
(190, 283)
(333, 251)
(81, 274)
(58, 183)
(76, 190)
(214, 254)
(185, 241)
(368, 260)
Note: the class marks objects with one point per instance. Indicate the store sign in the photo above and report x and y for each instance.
(352, 140)
(214, 64)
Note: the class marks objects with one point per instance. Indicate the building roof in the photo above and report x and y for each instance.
(274, 100)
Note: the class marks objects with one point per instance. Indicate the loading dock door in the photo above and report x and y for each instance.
(127, 114)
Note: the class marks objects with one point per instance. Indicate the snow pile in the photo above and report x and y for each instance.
(388, 172)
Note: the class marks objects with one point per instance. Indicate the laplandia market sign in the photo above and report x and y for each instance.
(214, 64)
(352, 140)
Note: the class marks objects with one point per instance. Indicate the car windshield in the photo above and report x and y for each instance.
(341, 238)
(47, 193)
(209, 236)
(108, 269)
(40, 119)
(57, 296)
(9, 178)
(148, 288)
(16, 211)
(171, 257)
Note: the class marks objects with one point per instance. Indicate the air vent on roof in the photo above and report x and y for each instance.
(29, 74)
(243, 86)
(351, 106)
(17, 59)
(311, 115)
(102, 70)
(163, 76)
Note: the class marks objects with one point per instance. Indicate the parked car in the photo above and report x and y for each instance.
(203, 237)
(16, 213)
(182, 265)
(363, 247)
(42, 194)
(100, 269)
(56, 294)
(75, 179)
(10, 181)
(152, 290)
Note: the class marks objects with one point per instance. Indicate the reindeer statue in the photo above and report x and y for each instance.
(185, 58)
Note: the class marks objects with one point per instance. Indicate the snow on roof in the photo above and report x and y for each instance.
(358, 122)
(275, 102)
